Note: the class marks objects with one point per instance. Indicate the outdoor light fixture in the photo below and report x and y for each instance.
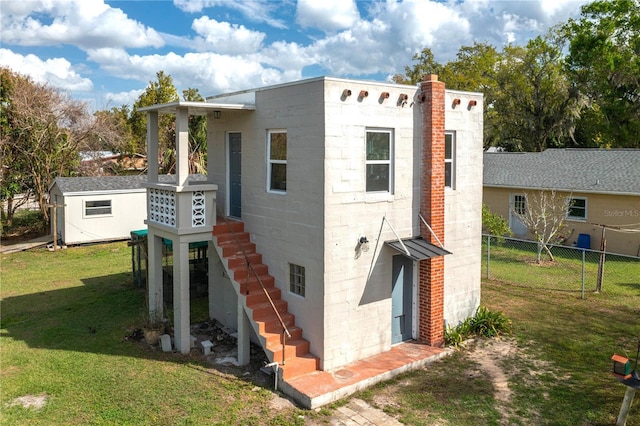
(363, 243)
(217, 114)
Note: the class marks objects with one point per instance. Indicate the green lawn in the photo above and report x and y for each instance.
(65, 316)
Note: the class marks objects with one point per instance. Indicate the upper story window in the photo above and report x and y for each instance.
(97, 208)
(449, 159)
(577, 208)
(379, 161)
(277, 160)
(297, 283)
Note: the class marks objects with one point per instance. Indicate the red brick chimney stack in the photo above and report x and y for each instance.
(431, 281)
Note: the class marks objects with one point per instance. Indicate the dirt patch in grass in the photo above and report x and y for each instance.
(35, 402)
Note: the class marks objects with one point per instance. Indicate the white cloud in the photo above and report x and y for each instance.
(83, 23)
(255, 10)
(56, 71)
(223, 37)
(209, 72)
(327, 15)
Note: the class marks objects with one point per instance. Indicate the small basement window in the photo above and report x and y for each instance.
(97, 208)
(296, 279)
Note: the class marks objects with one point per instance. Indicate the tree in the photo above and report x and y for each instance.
(197, 134)
(426, 64)
(536, 105)
(604, 62)
(43, 132)
(161, 91)
(474, 69)
(544, 217)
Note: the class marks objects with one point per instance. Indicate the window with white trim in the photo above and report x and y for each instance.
(296, 279)
(577, 208)
(277, 160)
(449, 159)
(97, 208)
(379, 160)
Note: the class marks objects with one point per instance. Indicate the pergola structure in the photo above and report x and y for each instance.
(183, 211)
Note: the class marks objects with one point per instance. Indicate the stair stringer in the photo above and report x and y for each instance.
(298, 358)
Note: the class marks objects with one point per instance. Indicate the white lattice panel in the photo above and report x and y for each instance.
(197, 208)
(162, 206)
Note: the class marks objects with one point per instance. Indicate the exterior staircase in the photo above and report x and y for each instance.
(236, 250)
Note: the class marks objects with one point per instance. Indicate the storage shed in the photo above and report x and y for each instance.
(98, 208)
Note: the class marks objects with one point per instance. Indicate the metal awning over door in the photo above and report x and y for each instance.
(418, 247)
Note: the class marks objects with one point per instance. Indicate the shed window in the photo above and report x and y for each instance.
(97, 208)
(277, 160)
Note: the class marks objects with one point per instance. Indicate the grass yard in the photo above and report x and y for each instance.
(65, 317)
(554, 370)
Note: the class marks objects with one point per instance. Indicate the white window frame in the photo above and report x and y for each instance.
(451, 160)
(271, 162)
(297, 280)
(576, 218)
(87, 209)
(390, 161)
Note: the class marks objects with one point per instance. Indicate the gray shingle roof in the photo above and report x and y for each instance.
(580, 170)
(110, 183)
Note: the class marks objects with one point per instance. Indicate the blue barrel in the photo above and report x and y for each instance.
(584, 241)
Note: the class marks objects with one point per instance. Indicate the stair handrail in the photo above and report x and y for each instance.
(285, 332)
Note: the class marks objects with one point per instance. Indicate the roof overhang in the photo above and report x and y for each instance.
(418, 247)
(196, 108)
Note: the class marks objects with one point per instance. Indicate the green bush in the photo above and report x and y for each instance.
(484, 323)
(494, 224)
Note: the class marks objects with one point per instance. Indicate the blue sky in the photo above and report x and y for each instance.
(106, 52)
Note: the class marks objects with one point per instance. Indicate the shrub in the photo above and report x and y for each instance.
(484, 323)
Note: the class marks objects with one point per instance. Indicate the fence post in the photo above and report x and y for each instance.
(488, 256)
(583, 265)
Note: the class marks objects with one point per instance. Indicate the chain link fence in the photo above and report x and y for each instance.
(561, 268)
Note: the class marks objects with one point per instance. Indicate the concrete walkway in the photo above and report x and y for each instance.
(358, 412)
(25, 245)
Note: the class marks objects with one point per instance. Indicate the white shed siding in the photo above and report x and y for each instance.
(463, 221)
(128, 212)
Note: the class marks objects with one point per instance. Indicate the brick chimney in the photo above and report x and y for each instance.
(431, 271)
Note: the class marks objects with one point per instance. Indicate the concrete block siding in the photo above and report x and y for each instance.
(346, 312)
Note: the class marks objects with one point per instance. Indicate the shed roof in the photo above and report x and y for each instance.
(580, 170)
(70, 185)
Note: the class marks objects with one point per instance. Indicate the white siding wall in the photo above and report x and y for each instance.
(463, 205)
(128, 212)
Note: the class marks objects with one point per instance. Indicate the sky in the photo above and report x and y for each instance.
(106, 52)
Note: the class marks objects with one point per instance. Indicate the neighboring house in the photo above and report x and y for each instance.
(602, 187)
(311, 184)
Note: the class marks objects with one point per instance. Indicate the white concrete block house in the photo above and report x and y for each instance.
(301, 175)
